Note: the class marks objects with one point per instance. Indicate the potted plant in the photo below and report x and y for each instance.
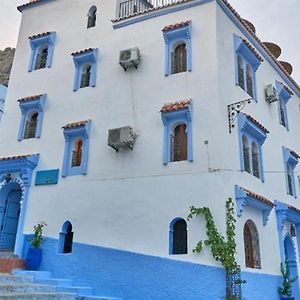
(285, 291)
(34, 254)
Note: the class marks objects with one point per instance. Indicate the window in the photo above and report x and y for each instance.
(178, 48)
(85, 68)
(76, 148)
(290, 162)
(247, 61)
(42, 47)
(284, 96)
(32, 110)
(177, 120)
(251, 244)
(178, 236)
(66, 238)
(252, 136)
(92, 17)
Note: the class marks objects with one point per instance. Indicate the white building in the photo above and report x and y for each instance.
(2, 99)
(116, 219)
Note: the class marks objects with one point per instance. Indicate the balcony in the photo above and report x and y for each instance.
(127, 8)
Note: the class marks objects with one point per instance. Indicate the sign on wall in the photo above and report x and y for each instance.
(46, 177)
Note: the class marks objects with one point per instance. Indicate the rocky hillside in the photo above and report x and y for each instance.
(6, 60)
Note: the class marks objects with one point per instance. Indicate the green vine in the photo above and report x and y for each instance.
(286, 288)
(223, 251)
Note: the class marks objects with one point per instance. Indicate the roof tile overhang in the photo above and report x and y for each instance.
(30, 98)
(175, 26)
(168, 107)
(39, 35)
(87, 50)
(259, 125)
(257, 197)
(75, 124)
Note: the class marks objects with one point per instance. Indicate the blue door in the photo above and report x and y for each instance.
(9, 218)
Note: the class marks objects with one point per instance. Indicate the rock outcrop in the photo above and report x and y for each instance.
(6, 60)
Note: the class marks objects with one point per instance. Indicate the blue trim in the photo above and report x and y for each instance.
(71, 134)
(248, 57)
(253, 134)
(172, 38)
(80, 60)
(27, 107)
(158, 13)
(242, 200)
(170, 119)
(128, 275)
(38, 42)
(266, 56)
(290, 160)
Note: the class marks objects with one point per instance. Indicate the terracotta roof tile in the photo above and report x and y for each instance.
(30, 98)
(294, 209)
(257, 197)
(294, 153)
(168, 107)
(252, 49)
(175, 26)
(263, 128)
(39, 35)
(15, 157)
(75, 124)
(28, 4)
(82, 51)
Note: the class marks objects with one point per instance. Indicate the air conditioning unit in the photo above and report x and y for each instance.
(271, 94)
(130, 58)
(123, 137)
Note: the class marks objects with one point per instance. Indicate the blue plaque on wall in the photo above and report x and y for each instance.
(46, 177)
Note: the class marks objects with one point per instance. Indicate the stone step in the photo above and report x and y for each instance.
(78, 290)
(34, 274)
(25, 287)
(11, 279)
(38, 296)
(54, 281)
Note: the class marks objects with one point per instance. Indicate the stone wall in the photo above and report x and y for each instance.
(6, 60)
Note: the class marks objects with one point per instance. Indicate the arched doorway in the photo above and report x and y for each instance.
(289, 251)
(10, 198)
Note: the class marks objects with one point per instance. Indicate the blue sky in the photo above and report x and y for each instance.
(275, 20)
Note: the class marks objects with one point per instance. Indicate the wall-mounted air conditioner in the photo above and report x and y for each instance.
(130, 58)
(271, 94)
(123, 137)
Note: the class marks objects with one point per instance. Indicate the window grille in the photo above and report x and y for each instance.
(255, 160)
(249, 80)
(246, 154)
(290, 181)
(85, 77)
(30, 127)
(77, 154)
(282, 113)
(179, 143)
(41, 59)
(241, 80)
(92, 17)
(179, 59)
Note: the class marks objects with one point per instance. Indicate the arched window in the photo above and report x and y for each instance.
(85, 76)
(41, 58)
(178, 237)
(241, 80)
(179, 59)
(66, 238)
(246, 154)
(251, 243)
(179, 143)
(30, 127)
(255, 160)
(77, 153)
(249, 80)
(92, 17)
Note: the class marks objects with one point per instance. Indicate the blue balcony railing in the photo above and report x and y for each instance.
(128, 8)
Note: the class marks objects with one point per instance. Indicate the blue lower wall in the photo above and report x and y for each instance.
(134, 276)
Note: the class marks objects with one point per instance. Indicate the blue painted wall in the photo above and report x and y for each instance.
(134, 276)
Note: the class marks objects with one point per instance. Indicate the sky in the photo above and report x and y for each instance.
(275, 21)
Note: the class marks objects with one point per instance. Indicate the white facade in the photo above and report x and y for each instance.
(2, 99)
(127, 199)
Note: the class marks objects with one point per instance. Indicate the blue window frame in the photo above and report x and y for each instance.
(290, 159)
(178, 48)
(85, 63)
(284, 96)
(177, 120)
(247, 62)
(42, 48)
(32, 110)
(76, 148)
(252, 135)
(178, 243)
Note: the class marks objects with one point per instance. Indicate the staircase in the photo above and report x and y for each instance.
(40, 285)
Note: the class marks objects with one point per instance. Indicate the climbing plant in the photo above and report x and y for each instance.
(221, 249)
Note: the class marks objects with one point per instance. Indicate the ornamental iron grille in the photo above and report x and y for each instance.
(255, 161)
(233, 285)
(246, 154)
(41, 58)
(179, 143)
(30, 127)
(234, 109)
(179, 59)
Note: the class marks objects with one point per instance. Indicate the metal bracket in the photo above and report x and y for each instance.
(234, 109)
